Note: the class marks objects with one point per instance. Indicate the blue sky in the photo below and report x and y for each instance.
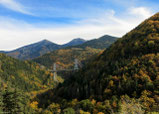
(27, 21)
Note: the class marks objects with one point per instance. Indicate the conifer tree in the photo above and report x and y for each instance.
(7, 101)
(1, 103)
(16, 101)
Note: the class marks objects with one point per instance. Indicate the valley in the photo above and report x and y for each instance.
(34, 77)
(127, 70)
(97, 57)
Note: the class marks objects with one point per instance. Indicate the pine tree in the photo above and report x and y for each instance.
(11, 101)
(16, 102)
(7, 101)
(1, 103)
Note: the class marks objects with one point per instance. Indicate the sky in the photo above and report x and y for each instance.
(23, 22)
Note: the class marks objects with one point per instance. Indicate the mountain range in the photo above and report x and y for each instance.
(65, 57)
(40, 48)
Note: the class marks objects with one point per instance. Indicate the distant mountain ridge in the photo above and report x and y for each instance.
(99, 43)
(35, 50)
(74, 42)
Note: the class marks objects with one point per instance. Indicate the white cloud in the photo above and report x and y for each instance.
(141, 11)
(15, 34)
(15, 6)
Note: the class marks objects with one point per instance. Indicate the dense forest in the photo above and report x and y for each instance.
(24, 75)
(124, 78)
(64, 58)
(20, 81)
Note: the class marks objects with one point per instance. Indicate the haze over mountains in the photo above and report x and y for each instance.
(40, 48)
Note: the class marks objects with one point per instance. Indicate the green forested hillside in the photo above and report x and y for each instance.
(19, 82)
(126, 73)
(24, 75)
(65, 57)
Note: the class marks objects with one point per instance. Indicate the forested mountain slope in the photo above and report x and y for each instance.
(128, 67)
(65, 57)
(24, 75)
